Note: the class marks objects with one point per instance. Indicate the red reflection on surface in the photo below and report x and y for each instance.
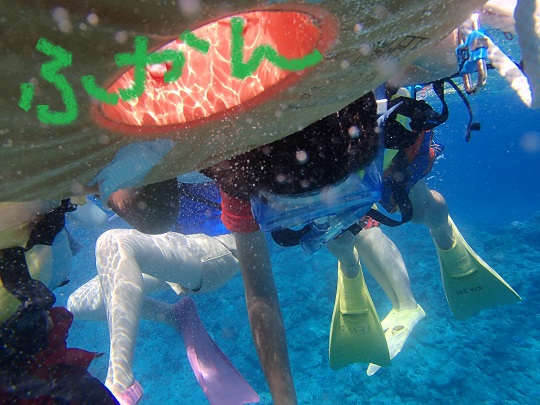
(206, 87)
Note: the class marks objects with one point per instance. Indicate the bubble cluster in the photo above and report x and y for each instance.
(61, 16)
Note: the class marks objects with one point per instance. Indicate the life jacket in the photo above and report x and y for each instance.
(411, 118)
(409, 130)
(407, 166)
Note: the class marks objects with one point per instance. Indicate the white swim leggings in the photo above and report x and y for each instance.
(128, 258)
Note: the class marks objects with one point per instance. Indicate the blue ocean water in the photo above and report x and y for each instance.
(492, 188)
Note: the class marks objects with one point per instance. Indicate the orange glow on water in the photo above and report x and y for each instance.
(206, 87)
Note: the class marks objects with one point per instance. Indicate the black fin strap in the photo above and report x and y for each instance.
(44, 231)
(438, 88)
(471, 126)
(401, 197)
(355, 228)
(289, 237)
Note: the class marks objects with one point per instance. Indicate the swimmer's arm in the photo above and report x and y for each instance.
(265, 315)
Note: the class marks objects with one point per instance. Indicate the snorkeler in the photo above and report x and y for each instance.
(470, 284)
(319, 142)
(385, 263)
(295, 172)
(131, 265)
(35, 364)
(356, 332)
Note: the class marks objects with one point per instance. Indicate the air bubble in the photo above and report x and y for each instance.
(381, 12)
(121, 37)
(354, 132)
(104, 139)
(358, 28)
(365, 49)
(280, 178)
(190, 8)
(61, 17)
(301, 156)
(304, 183)
(142, 205)
(530, 142)
(92, 19)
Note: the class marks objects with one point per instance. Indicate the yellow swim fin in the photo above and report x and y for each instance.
(356, 334)
(470, 284)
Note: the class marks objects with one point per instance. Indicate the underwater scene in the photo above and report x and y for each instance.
(314, 202)
(492, 189)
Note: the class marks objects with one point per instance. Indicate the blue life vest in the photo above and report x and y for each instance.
(200, 209)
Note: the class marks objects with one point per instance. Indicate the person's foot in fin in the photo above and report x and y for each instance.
(131, 396)
(398, 325)
(356, 335)
(221, 382)
(470, 284)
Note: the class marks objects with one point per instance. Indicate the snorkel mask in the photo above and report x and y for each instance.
(319, 216)
(312, 219)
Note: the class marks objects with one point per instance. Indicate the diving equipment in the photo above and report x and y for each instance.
(328, 212)
(398, 325)
(470, 284)
(221, 382)
(356, 334)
